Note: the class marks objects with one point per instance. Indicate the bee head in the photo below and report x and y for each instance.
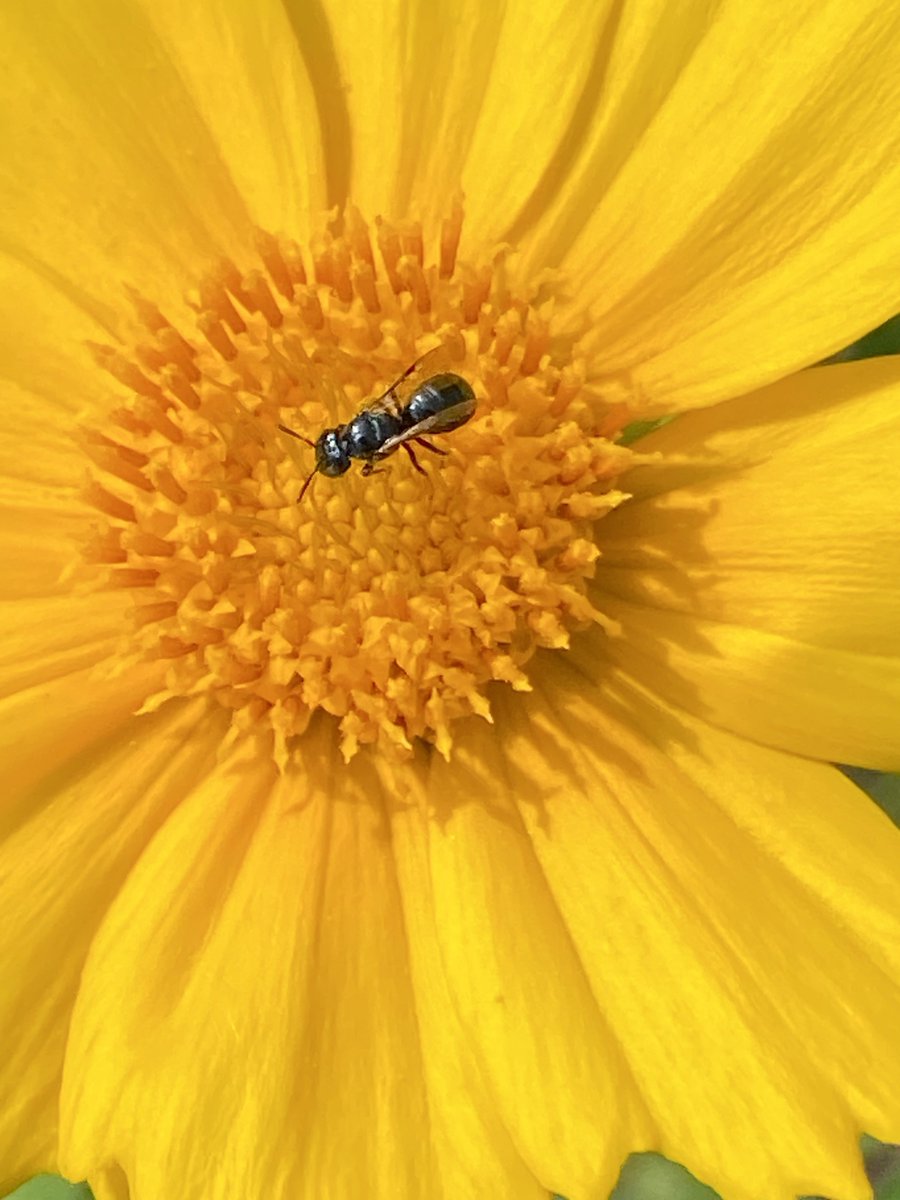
(331, 454)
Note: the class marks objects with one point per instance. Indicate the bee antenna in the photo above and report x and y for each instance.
(295, 434)
(310, 477)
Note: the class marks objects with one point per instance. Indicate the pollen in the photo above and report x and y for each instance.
(390, 603)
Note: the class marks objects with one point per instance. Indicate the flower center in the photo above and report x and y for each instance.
(389, 600)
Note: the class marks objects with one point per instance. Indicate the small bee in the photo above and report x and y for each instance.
(423, 400)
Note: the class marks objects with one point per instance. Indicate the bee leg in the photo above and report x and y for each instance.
(413, 459)
(433, 449)
(369, 468)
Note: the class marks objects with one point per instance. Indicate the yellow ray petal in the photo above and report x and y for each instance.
(478, 1139)
(626, 58)
(498, 100)
(49, 375)
(402, 84)
(65, 850)
(38, 539)
(735, 912)
(732, 217)
(67, 713)
(43, 639)
(763, 555)
(812, 700)
(108, 170)
(273, 1043)
(44, 522)
(58, 644)
(245, 72)
(534, 112)
(525, 1021)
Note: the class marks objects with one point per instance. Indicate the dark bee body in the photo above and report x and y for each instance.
(359, 438)
(417, 404)
(441, 395)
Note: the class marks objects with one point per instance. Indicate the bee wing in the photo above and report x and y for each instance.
(385, 403)
(433, 362)
(449, 418)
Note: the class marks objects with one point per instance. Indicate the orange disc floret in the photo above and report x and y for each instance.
(391, 600)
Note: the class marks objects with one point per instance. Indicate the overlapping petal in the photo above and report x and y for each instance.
(756, 573)
(812, 700)
(720, 895)
(109, 171)
(504, 994)
(270, 939)
(253, 82)
(697, 192)
(493, 99)
(607, 925)
(732, 217)
(68, 843)
(61, 684)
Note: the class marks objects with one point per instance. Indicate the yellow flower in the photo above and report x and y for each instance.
(448, 836)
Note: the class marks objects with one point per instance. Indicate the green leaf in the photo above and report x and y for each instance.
(50, 1187)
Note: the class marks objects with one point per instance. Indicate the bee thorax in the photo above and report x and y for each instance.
(368, 431)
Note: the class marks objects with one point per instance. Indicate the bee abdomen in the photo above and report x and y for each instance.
(438, 395)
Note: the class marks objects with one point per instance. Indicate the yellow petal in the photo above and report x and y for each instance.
(108, 170)
(401, 84)
(735, 912)
(823, 703)
(272, 1044)
(526, 1025)
(732, 215)
(757, 575)
(43, 521)
(496, 100)
(43, 639)
(534, 111)
(61, 684)
(49, 376)
(51, 386)
(38, 541)
(252, 82)
(65, 850)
